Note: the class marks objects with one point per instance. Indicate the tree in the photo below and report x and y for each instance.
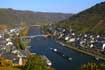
(6, 64)
(36, 62)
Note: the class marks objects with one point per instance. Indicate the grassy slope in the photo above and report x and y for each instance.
(90, 20)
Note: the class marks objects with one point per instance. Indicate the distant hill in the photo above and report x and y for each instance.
(90, 20)
(10, 16)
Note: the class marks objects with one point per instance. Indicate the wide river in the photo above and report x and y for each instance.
(41, 45)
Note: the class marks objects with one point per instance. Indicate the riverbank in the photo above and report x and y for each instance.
(81, 51)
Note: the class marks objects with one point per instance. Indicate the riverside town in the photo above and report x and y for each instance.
(52, 35)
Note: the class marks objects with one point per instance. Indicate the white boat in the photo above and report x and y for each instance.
(54, 50)
(97, 58)
(47, 60)
(61, 54)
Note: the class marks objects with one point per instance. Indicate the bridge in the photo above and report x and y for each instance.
(35, 25)
(33, 36)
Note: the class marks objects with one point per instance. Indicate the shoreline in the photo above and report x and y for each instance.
(81, 51)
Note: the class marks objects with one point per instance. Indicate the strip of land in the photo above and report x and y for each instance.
(84, 52)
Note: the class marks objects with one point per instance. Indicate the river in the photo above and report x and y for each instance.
(41, 45)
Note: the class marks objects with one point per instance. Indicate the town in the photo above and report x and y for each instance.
(88, 42)
(12, 47)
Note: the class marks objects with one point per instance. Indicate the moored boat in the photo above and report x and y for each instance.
(61, 54)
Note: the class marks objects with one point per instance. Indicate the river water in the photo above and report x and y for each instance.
(41, 45)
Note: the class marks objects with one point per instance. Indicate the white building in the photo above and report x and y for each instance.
(91, 45)
(66, 38)
(71, 40)
(103, 47)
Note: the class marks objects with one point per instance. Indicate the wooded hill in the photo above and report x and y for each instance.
(11, 16)
(90, 20)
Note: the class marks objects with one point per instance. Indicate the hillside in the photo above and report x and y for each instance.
(90, 20)
(10, 16)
